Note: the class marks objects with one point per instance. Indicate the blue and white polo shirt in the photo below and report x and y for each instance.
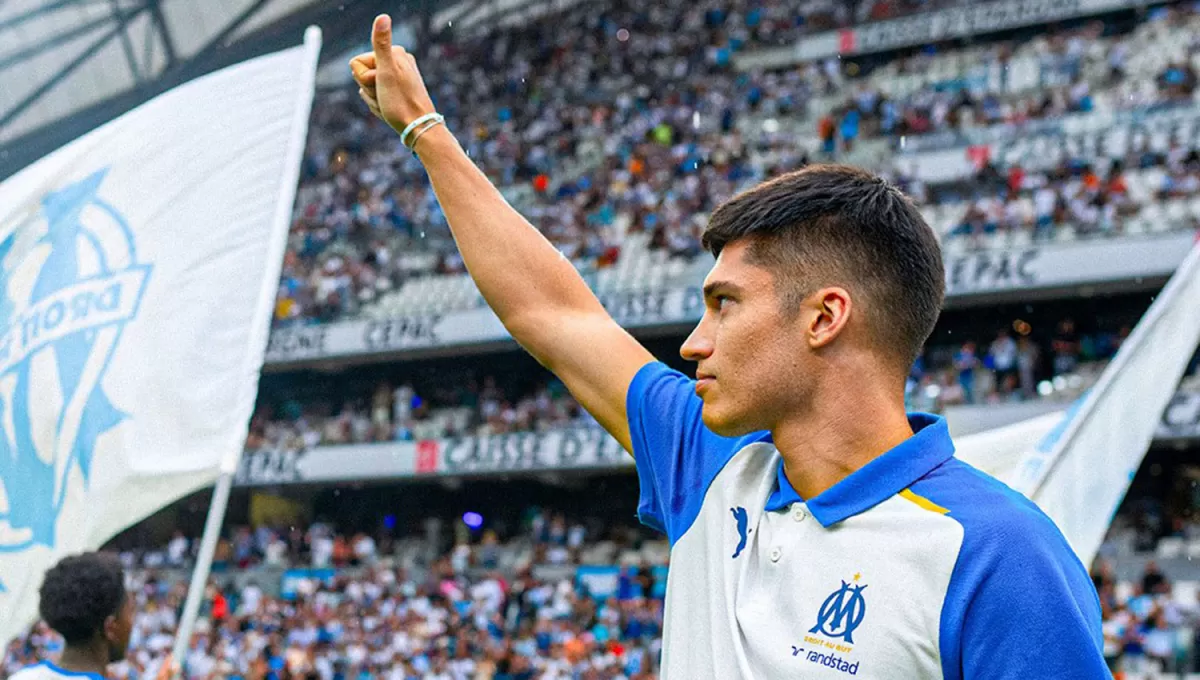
(915, 566)
(49, 671)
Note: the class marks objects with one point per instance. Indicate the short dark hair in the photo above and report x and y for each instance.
(840, 225)
(80, 592)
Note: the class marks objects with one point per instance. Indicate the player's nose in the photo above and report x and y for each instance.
(698, 346)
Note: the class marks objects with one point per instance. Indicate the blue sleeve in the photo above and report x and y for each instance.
(677, 456)
(1020, 605)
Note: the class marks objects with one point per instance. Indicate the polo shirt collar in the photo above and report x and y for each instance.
(71, 674)
(878, 480)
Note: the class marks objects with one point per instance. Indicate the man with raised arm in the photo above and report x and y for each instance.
(816, 529)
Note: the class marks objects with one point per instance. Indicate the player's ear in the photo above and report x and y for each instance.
(829, 311)
(109, 629)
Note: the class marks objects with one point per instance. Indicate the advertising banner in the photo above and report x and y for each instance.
(961, 21)
(563, 449)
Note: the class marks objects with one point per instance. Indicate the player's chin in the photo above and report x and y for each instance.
(724, 421)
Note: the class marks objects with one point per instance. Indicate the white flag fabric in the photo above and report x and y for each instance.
(1081, 471)
(1077, 464)
(999, 451)
(138, 269)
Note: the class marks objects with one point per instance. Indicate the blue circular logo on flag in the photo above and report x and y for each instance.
(70, 281)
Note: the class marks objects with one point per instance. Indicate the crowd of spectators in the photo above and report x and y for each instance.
(1091, 197)
(1007, 367)
(1064, 56)
(569, 114)
(358, 612)
(400, 413)
(1151, 623)
(540, 537)
(607, 119)
(456, 618)
(1147, 629)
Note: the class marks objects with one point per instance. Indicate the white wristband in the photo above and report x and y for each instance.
(413, 125)
(418, 133)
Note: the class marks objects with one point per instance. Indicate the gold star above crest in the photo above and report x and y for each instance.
(857, 576)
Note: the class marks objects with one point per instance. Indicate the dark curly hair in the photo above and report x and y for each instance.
(80, 592)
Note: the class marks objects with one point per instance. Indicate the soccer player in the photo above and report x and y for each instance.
(83, 598)
(817, 531)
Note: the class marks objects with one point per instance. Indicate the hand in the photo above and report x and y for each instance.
(388, 79)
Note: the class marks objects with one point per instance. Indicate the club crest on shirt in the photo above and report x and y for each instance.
(840, 614)
(842, 611)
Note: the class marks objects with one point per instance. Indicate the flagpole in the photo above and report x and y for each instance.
(208, 547)
(279, 229)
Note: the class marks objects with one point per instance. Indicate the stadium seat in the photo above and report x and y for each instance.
(1177, 213)
(1065, 234)
(1169, 548)
(1134, 226)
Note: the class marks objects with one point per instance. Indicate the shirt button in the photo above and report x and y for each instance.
(799, 514)
(776, 553)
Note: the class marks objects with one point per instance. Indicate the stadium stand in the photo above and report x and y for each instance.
(611, 170)
(1005, 367)
(1084, 130)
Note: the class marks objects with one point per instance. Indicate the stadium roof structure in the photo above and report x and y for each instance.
(68, 66)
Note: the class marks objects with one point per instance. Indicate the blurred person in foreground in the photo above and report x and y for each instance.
(83, 599)
(816, 529)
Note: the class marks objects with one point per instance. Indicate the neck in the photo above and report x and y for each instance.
(89, 658)
(849, 428)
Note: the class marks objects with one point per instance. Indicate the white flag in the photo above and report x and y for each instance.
(999, 451)
(1081, 471)
(1078, 463)
(138, 268)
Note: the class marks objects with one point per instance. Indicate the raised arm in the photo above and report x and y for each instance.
(532, 287)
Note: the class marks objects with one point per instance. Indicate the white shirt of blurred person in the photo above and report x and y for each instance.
(251, 599)
(200, 662)
(460, 558)
(1044, 202)
(364, 549)
(402, 404)
(490, 593)
(792, 451)
(360, 427)
(322, 550)
(177, 550)
(276, 552)
(1159, 640)
(83, 598)
(1004, 355)
(576, 536)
